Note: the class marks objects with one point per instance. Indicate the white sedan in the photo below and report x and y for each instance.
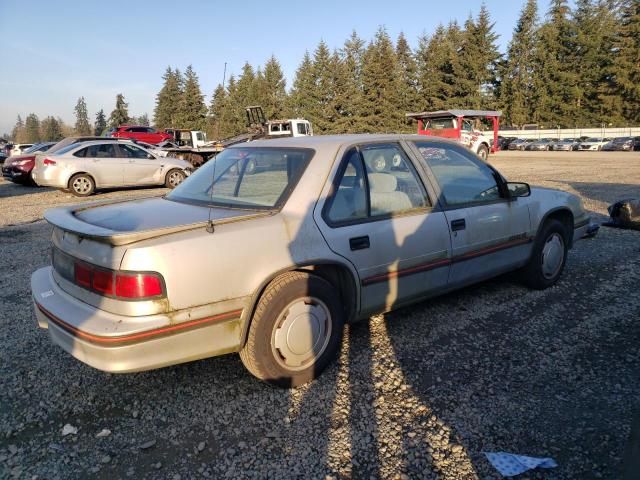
(84, 167)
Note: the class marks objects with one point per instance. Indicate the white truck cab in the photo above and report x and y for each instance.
(296, 127)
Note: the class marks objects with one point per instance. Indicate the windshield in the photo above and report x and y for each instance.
(254, 178)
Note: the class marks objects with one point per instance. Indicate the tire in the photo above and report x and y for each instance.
(82, 185)
(483, 152)
(548, 258)
(174, 178)
(286, 307)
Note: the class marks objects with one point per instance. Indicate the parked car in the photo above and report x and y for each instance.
(17, 168)
(593, 143)
(520, 143)
(141, 133)
(542, 144)
(624, 144)
(505, 142)
(18, 148)
(272, 265)
(3, 156)
(84, 167)
(565, 144)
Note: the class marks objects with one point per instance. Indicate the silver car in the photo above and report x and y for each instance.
(272, 264)
(84, 167)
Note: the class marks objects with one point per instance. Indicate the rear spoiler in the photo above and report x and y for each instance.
(65, 219)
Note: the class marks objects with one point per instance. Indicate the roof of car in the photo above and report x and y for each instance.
(98, 142)
(337, 141)
(456, 113)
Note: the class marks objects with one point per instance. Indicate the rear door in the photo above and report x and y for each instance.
(379, 216)
(104, 165)
(139, 166)
(490, 233)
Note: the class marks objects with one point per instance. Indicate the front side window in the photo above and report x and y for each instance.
(376, 180)
(462, 178)
(250, 178)
(129, 151)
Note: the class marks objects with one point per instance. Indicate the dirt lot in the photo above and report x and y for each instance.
(419, 393)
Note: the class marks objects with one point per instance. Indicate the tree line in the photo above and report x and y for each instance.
(51, 129)
(567, 67)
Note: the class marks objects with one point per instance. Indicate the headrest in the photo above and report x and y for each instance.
(382, 182)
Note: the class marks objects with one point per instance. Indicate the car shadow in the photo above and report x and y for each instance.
(11, 189)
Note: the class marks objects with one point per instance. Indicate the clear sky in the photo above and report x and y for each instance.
(54, 51)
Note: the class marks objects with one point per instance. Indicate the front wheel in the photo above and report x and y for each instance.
(174, 178)
(295, 331)
(548, 257)
(483, 152)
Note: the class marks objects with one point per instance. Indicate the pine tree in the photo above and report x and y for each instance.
(32, 128)
(274, 98)
(18, 133)
(100, 125)
(432, 60)
(321, 112)
(51, 130)
(379, 88)
(517, 90)
(143, 120)
(120, 114)
(626, 65)
(300, 99)
(349, 76)
(168, 100)
(408, 74)
(192, 113)
(82, 126)
(218, 127)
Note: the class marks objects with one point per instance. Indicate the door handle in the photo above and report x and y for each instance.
(459, 224)
(131, 161)
(359, 243)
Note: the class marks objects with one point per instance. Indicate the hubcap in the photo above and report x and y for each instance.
(175, 179)
(81, 185)
(301, 333)
(552, 255)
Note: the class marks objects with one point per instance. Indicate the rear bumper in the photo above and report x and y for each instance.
(15, 174)
(105, 349)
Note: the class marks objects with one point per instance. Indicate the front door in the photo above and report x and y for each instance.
(380, 218)
(490, 233)
(140, 167)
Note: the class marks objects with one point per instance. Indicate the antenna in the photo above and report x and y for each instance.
(210, 227)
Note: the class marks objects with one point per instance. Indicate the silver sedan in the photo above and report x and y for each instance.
(84, 167)
(273, 262)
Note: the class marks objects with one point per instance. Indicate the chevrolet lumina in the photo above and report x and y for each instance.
(273, 263)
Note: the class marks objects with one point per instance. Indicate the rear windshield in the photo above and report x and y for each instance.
(252, 178)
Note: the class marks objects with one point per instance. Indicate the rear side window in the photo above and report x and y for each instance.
(80, 153)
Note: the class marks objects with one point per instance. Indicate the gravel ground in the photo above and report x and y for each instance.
(419, 393)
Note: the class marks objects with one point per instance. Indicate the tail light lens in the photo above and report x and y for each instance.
(48, 161)
(109, 283)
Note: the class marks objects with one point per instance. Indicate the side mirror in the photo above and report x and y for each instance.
(150, 156)
(518, 189)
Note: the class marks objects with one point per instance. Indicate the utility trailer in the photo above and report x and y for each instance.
(461, 125)
(194, 147)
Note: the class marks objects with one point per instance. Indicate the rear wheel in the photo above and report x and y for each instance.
(82, 185)
(174, 178)
(548, 258)
(483, 152)
(295, 331)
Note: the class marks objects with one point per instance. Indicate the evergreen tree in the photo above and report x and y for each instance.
(300, 99)
(100, 125)
(51, 130)
(120, 114)
(321, 112)
(32, 128)
(192, 111)
(82, 126)
(274, 98)
(626, 66)
(143, 120)
(432, 60)
(218, 126)
(408, 74)
(349, 79)
(379, 88)
(168, 100)
(517, 91)
(18, 133)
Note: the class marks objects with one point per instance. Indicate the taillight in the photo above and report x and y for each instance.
(139, 285)
(48, 161)
(106, 282)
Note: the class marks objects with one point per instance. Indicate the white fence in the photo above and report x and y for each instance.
(573, 132)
